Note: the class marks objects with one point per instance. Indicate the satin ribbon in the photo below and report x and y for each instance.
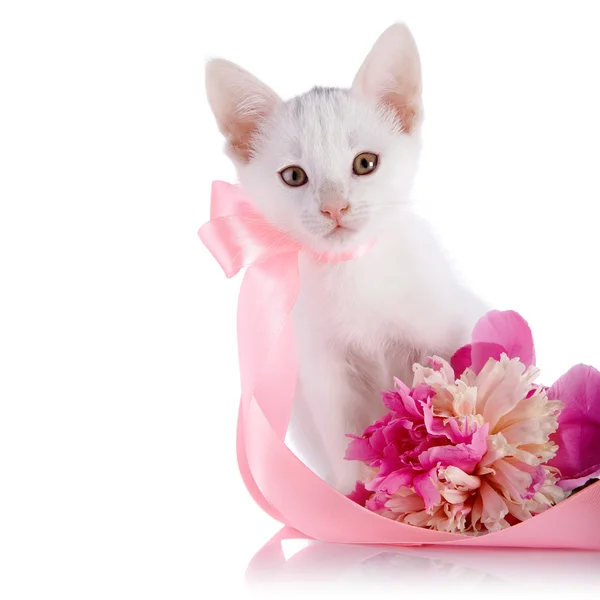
(238, 236)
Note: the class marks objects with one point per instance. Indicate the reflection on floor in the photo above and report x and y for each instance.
(290, 561)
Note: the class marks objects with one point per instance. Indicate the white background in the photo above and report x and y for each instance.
(118, 372)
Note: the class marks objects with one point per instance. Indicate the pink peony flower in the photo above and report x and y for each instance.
(578, 435)
(462, 455)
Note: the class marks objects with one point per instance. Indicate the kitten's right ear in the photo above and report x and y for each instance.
(239, 102)
(391, 75)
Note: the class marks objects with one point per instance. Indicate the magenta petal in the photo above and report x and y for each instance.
(360, 494)
(376, 502)
(578, 435)
(447, 455)
(538, 475)
(568, 485)
(360, 449)
(396, 430)
(463, 456)
(507, 329)
(481, 352)
(400, 401)
(393, 482)
(392, 401)
(448, 428)
(422, 393)
(461, 360)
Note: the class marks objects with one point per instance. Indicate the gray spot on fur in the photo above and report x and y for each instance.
(320, 105)
(365, 373)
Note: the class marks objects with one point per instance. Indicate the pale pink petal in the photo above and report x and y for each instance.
(531, 431)
(417, 519)
(461, 479)
(512, 487)
(439, 364)
(501, 386)
(432, 376)
(534, 406)
(465, 399)
(456, 486)
(520, 479)
(376, 502)
(405, 501)
(493, 509)
(519, 510)
(455, 496)
(497, 448)
(509, 330)
(534, 454)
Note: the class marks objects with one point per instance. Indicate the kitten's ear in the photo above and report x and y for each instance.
(239, 102)
(391, 75)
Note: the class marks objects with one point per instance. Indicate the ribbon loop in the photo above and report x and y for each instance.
(237, 234)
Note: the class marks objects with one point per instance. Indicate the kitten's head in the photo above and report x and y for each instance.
(331, 166)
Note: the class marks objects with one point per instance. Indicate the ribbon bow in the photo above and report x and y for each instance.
(238, 236)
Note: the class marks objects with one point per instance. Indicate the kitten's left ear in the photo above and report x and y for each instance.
(391, 75)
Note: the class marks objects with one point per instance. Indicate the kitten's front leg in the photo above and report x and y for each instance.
(332, 402)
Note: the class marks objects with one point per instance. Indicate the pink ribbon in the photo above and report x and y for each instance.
(238, 236)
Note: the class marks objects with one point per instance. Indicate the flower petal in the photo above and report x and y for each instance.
(439, 364)
(405, 501)
(461, 479)
(394, 481)
(501, 386)
(461, 360)
(360, 494)
(424, 486)
(463, 456)
(376, 502)
(493, 508)
(507, 329)
(568, 485)
(361, 449)
(481, 352)
(578, 435)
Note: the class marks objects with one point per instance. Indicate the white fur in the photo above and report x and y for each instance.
(362, 322)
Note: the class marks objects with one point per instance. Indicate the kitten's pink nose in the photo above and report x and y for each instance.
(335, 209)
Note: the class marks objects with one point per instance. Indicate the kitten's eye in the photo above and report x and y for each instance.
(365, 163)
(294, 176)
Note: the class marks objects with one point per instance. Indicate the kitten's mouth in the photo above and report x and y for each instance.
(339, 232)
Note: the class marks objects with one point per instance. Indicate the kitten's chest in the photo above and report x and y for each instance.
(359, 301)
(377, 302)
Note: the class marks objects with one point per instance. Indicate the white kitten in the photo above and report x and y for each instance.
(334, 168)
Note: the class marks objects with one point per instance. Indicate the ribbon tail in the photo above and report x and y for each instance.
(266, 355)
(246, 472)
